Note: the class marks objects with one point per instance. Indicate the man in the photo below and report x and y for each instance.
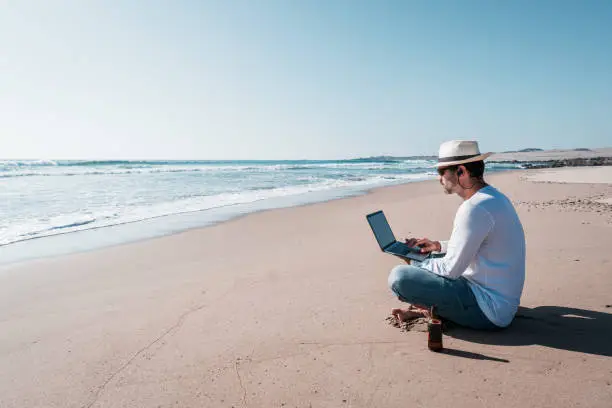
(479, 280)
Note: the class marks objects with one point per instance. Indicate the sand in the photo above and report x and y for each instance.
(287, 308)
(573, 175)
(600, 175)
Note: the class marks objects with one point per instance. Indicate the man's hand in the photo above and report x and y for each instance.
(428, 245)
(425, 244)
(411, 242)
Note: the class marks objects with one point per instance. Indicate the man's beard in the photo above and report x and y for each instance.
(448, 188)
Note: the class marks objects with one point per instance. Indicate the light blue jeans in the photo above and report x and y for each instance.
(453, 299)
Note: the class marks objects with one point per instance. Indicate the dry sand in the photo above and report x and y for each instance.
(573, 175)
(578, 175)
(287, 308)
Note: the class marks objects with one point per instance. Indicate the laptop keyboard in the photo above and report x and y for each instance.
(399, 248)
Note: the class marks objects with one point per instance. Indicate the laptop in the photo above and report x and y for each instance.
(386, 239)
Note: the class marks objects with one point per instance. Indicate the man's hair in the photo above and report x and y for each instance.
(476, 169)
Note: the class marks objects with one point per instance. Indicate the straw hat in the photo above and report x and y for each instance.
(459, 152)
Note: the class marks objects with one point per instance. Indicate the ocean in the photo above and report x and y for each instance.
(47, 198)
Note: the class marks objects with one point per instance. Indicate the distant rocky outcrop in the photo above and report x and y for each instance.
(537, 158)
(576, 162)
(527, 150)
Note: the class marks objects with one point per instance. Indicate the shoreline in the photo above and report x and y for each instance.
(63, 244)
(178, 223)
(255, 311)
(100, 233)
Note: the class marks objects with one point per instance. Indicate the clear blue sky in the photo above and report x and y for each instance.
(295, 79)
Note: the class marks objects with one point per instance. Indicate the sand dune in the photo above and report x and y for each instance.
(555, 154)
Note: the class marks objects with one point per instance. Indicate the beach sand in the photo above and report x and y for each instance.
(573, 175)
(288, 308)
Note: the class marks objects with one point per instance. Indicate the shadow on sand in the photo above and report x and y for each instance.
(469, 354)
(563, 328)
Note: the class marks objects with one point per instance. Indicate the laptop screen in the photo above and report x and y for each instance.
(381, 228)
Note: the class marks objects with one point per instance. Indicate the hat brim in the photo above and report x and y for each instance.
(471, 159)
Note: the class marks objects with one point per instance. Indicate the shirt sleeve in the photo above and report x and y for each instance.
(471, 227)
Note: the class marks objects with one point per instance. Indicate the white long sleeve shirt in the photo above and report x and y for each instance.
(486, 247)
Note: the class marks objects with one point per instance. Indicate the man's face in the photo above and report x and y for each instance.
(448, 180)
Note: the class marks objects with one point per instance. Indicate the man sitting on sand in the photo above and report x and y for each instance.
(479, 279)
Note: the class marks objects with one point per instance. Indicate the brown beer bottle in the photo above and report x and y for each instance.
(434, 332)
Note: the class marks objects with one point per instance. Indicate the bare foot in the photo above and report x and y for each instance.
(404, 315)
